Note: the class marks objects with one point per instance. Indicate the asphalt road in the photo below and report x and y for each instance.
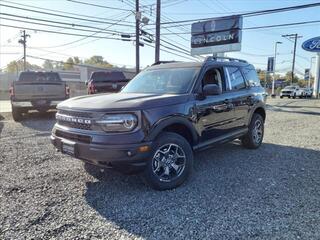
(234, 193)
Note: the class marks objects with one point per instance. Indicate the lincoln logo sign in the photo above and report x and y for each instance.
(216, 35)
(312, 45)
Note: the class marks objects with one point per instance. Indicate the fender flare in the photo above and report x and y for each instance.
(163, 123)
(262, 106)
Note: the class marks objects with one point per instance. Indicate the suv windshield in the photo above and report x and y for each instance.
(39, 76)
(289, 87)
(162, 81)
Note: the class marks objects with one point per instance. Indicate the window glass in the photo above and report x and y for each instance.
(162, 81)
(251, 76)
(214, 76)
(236, 79)
(39, 76)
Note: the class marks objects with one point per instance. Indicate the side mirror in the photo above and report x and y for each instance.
(211, 89)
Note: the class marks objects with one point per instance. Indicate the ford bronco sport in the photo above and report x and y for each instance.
(162, 116)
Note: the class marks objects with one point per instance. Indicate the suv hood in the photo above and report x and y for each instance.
(134, 101)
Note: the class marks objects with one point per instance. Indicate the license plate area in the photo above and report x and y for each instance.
(41, 102)
(68, 148)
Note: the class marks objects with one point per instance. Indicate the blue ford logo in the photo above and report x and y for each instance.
(312, 45)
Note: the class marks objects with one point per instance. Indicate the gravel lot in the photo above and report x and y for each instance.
(234, 193)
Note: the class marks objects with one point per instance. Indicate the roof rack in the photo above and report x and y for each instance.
(221, 59)
(162, 62)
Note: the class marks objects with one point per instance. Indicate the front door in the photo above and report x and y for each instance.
(215, 113)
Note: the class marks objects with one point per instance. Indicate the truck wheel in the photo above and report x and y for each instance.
(254, 137)
(171, 163)
(16, 114)
(294, 96)
(281, 96)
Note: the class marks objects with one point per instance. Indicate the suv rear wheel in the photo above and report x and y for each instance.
(171, 163)
(254, 137)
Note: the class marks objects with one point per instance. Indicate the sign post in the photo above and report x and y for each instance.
(316, 77)
(313, 45)
(270, 69)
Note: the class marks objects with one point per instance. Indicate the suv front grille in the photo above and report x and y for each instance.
(75, 125)
(74, 119)
(73, 137)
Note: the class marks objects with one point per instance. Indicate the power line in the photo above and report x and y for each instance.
(253, 13)
(57, 22)
(101, 6)
(59, 11)
(64, 16)
(257, 27)
(56, 26)
(81, 39)
(149, 45)
(49, 31)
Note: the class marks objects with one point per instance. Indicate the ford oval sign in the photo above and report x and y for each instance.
(312, 45)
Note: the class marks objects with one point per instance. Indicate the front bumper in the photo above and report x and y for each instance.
(106, 155)
(28, 104)
(286, 94)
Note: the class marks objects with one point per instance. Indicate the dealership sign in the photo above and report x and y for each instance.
(216, 36)
(312, 45)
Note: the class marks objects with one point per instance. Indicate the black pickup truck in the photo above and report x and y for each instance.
(106, 82)
(162, 116)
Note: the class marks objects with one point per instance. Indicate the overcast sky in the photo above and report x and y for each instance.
(257, 45)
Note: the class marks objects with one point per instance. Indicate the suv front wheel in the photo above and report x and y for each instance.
(254, 137)
(171, 163)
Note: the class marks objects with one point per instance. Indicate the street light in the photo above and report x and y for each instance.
(274, 67)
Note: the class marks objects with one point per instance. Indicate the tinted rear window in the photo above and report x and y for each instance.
(39, 77)
(107, 76)
(251, 76)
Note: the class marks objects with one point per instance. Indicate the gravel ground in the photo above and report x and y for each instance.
(234, 193)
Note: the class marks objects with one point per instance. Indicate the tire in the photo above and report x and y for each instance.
(289, 96)
(254, 137)
(281, 96)
(16, 114)
(171, 163)
(294, 96)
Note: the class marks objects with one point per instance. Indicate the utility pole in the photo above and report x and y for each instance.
(138, 17)
(295, 36)
(157, 48)
(23, 41)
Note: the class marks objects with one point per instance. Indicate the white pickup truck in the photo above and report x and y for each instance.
(39, 91)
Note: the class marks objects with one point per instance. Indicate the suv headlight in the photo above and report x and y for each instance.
(118, 122)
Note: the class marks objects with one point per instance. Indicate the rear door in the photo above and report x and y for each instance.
(240, 96)
(39, 85)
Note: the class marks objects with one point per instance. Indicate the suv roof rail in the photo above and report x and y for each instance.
(162, 62)
(211, 58)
